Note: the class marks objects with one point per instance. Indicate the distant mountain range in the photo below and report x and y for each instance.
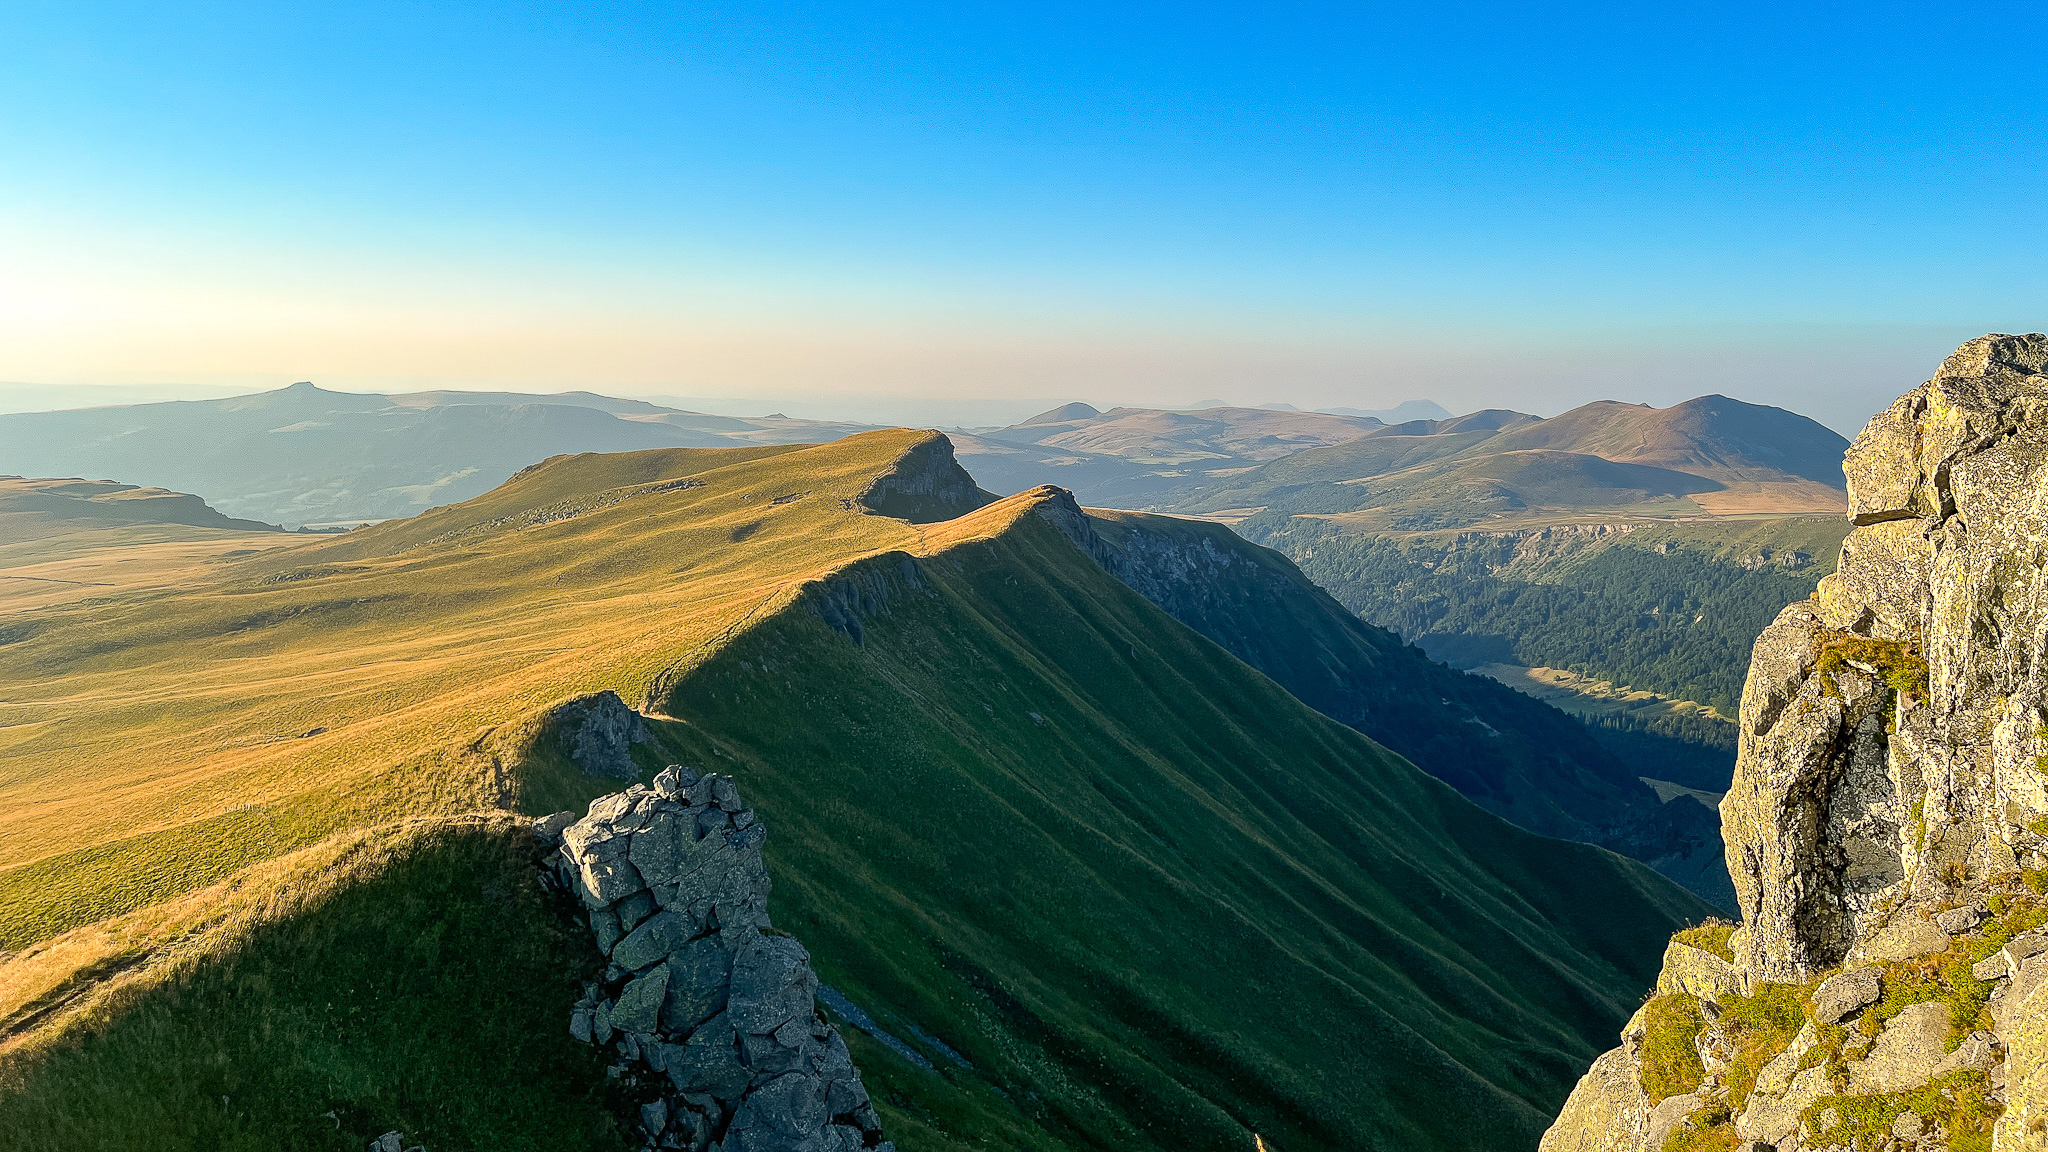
(304, 455)
(1707, 456)
(308, 456)
(1130, 457)
(33, 508)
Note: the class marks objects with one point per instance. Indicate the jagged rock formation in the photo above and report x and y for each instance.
(1888, 987)
(711, 1011)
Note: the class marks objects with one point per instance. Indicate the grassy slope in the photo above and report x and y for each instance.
(1669, 607)
(155, 742)
(1515, 756)
(1212, 908)
(1181, 907)
(413, 980)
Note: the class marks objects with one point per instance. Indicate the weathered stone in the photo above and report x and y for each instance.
(598, 733)
(1880, 587)
(1698, 973)
(1979, 1051)
(638, 1008)
(1607, 1111)
(1773, 1117)
(673, 781)
(548, 829)
(633, 910)
(1906, 937)
(1957, 921)
(1669, 1114)
(772, 984)
(783, 1112)
(650, 943)
(654, 1118)
(1906, 1054)
(1848, 992)
(2027, 976)
(710, 1062)
(604, 925)
(1776, 1077)
(699, 976)
(2023, 1127)
(2009, 959)
(727, 1014)
(604, 874)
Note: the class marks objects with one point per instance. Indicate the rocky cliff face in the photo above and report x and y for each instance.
(1888, 986)
(710, 1012)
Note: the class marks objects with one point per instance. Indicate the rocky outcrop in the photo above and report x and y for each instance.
(597, 734)
(710, 1012)
(924, 486)
(1888, 821)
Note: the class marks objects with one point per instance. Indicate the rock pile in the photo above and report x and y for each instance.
(712, 1012)
(1887, 830)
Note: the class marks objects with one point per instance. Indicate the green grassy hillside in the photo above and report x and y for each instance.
(1515, 756)
(1154, 899)
(1669, 607)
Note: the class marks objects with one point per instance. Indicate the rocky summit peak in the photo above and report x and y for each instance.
(1887, 829)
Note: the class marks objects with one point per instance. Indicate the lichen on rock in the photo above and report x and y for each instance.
(1888, 821)
(711, 1013)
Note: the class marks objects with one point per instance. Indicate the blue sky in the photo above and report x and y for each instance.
(1322, 204)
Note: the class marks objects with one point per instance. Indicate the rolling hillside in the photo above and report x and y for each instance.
(72, 539)
(305, 455)
(1152, 898)
(1708, 456)
(1127, 457)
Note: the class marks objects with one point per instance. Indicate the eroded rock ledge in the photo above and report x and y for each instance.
(1886, 831)
(712, 1013)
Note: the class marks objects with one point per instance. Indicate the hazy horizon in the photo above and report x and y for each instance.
(1838, 377)
(836, 206)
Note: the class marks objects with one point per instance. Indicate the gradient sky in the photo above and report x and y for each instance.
(1529, 205)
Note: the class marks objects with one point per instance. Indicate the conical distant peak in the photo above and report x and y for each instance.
(1064, 413)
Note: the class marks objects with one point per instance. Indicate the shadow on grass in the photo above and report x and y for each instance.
(431, 996)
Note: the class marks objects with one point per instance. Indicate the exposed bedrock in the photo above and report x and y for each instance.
(710, 1011)
(1888, 821)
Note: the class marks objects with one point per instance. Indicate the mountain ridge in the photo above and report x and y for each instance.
(1077, 768)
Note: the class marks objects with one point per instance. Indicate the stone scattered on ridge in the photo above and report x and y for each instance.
(712, 1013)
(1845, 993)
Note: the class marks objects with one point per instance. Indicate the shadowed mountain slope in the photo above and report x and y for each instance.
(1516, 757)
(1155, 900)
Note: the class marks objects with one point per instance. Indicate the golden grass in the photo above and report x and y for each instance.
(341, 682)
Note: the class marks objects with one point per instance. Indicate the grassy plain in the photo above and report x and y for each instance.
(1156, 900)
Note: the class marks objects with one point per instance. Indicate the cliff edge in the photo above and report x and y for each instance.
(1888, 985)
